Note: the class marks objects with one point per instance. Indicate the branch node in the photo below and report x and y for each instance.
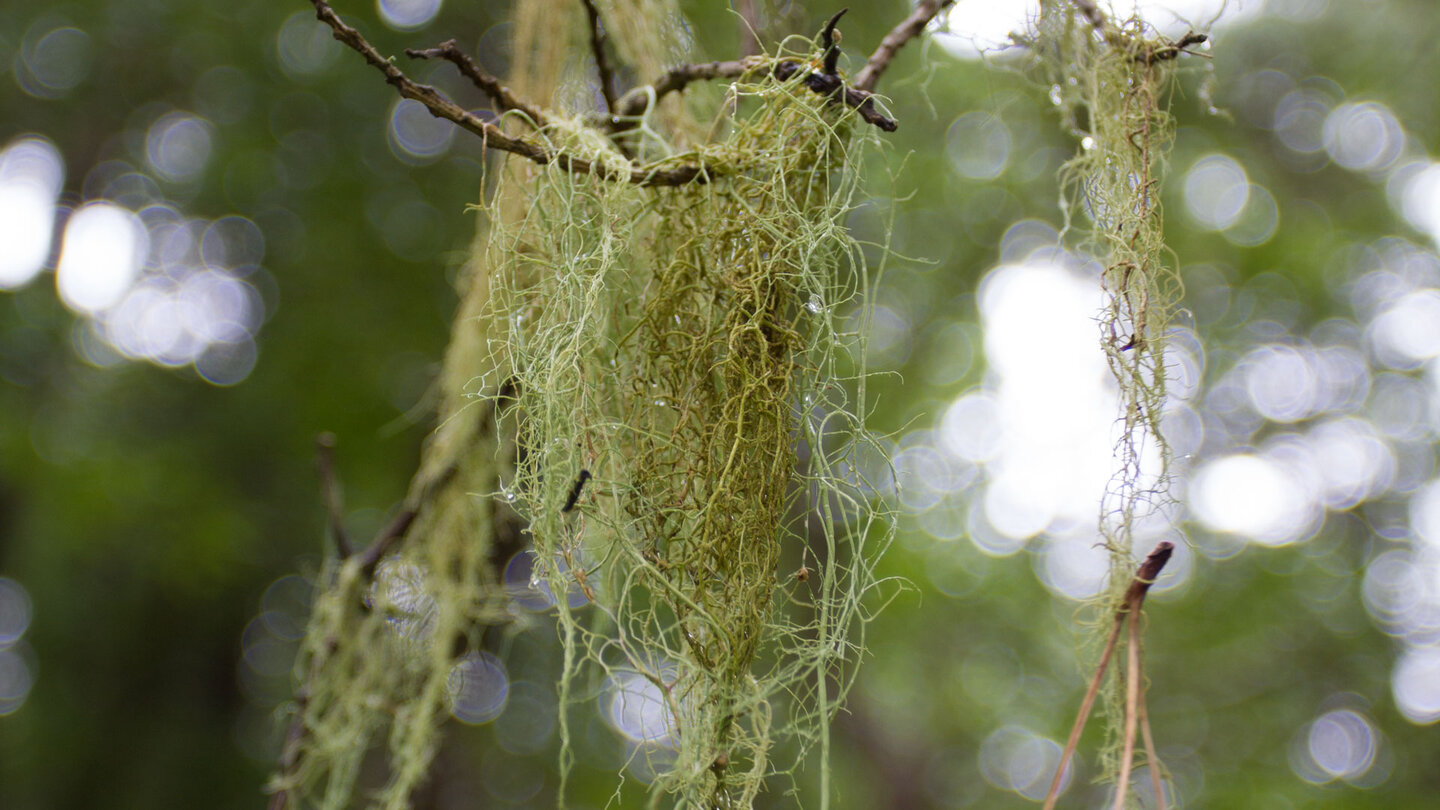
(597, 47)
(330, 493)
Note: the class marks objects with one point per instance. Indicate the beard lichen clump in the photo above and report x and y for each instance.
(1111, 85)
(650, 381)
(680, 345)
(1111, 82)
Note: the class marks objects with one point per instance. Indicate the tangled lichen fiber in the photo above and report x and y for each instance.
(1111, 82)
(681, 345)
(686, 349)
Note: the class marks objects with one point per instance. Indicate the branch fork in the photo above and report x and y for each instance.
(1135, 712)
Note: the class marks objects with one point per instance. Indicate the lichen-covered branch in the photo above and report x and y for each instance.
(492, 136)
(826, 82)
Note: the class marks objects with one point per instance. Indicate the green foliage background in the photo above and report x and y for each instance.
(147, 512)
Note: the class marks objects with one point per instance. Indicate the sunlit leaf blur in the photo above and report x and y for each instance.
(221, 235)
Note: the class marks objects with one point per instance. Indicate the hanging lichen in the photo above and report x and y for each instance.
(1110, 81)
(650, 379)
(680, 346)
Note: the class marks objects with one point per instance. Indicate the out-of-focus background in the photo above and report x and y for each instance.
(221, 234)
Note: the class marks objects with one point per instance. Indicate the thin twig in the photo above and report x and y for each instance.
(1152, 758)
(1172, 50)
(749, 27)
(330, 493)
(1132, 713)
(635, 102)
(1084, 714)
(597, 47)
(499, 94)
(924, 12)
(1134, 598)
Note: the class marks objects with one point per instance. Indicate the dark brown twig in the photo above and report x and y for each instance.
(597, 47)
(330, 493)
(833, 87)
(635, 102)
(907, 30)
(499, 94)
(1129, 608)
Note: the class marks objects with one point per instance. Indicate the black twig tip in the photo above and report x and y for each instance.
(830, 42)
(575, 491)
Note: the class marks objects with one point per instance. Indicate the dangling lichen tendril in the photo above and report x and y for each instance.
(1110, 81)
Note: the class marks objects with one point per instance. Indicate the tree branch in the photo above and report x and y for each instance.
(597, 47)
(499, 94)
(924, 12)
(490, 135)
(827, 83)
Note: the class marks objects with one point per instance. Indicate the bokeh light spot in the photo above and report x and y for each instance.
(305, 46)
(31, 175)
(1415, 682)
(178, 146)
(478, 686)
(1363, 137)
(15, 680)
(1252, 496)
(636, 708)
(1014, 758)
(14, 611)
(1216, 192)
(53, 62)
(405, 15)
(416, 136)
(1342, 743)
(978, 145)
(103, 248)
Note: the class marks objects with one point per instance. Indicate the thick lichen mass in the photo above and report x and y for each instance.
(679, 356)
(662, 339)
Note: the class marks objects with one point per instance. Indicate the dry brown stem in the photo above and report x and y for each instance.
(1129, 608)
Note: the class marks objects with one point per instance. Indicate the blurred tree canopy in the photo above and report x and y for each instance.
(300, 229)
